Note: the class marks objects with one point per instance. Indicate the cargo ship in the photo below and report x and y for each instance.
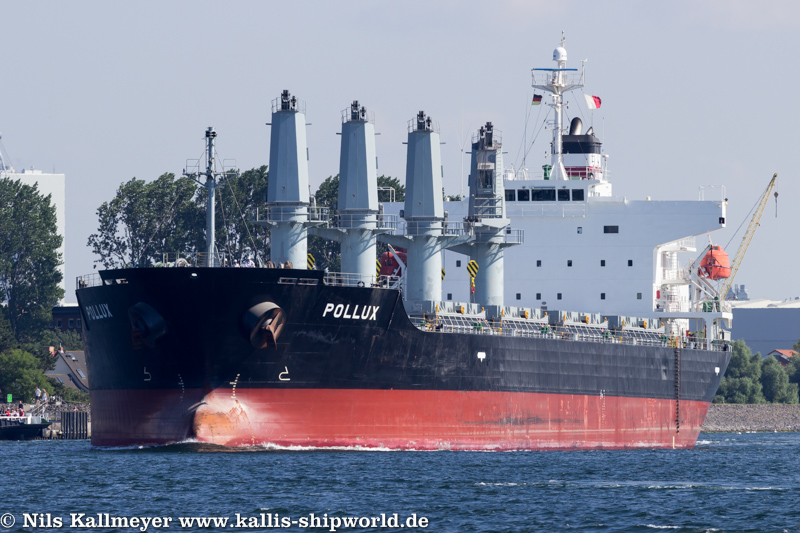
(283, 355)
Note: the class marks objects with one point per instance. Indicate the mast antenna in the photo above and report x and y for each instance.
(213, 180)
(558, 81)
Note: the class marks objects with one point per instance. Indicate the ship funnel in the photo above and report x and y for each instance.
(287, 192)
(576, 126)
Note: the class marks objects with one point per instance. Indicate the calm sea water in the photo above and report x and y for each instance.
(730, 482)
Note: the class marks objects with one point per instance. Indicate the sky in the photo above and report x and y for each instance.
(694, 94)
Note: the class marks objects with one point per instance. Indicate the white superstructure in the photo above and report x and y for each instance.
(586, 249)
(52, 184)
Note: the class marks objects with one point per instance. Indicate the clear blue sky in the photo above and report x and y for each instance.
(694, 93)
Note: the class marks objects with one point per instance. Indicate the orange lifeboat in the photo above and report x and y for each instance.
(715, 264)
(389, 264)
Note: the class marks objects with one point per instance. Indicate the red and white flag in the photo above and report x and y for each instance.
(593, 101)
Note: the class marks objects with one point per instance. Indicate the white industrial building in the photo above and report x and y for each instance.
(766, 325)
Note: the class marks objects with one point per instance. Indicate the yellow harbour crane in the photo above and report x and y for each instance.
(748, 236)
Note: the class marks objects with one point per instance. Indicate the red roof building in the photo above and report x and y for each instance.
(784, 357)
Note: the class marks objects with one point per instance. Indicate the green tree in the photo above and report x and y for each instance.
(7, 340)
(742, 381)
(394, 183)
(20, 374)
(327, 253)
(69, 340)
(793, 368)
(238, 200)
(29, 258)
(146, 220)
(775, 382)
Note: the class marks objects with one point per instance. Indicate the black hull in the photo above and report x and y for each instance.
(343, 338)
(15, 430)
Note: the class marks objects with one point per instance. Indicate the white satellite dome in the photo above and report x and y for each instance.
(560, 54)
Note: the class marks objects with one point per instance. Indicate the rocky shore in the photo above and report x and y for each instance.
(730, 418)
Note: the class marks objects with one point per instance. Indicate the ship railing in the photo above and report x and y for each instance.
(348, 279)
(544, 77)
(359, 114)
(447, 228)
(496, 136)
(688, 244)
(292, 104)
(388, 222)
(453, 228)
(601, 175)
(292, 213)
(429, 125)
(577, 333)
(513, 236)
(196, 260)
(537, 209)
(88, 280)
(365, 220)
(488, 207)
(713, 306)
(714, 190)
(669, 274)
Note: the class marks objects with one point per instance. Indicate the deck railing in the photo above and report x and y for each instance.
(542, 330)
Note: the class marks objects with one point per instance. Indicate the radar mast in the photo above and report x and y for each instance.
(558, 81)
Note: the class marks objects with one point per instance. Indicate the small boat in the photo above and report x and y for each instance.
(25, 427)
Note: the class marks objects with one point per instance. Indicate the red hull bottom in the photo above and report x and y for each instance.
(393, 419)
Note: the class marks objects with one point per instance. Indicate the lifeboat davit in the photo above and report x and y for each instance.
(715, 264)
(389, 264)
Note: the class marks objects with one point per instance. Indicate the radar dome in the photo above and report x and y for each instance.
(560, 54)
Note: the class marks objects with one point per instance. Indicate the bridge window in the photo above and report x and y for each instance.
(610, 229)
(511, 195)
(577, 195)
(563, 195)
(523, 195)
(543, 195)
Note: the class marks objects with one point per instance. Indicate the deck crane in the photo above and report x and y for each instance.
(748, 236)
